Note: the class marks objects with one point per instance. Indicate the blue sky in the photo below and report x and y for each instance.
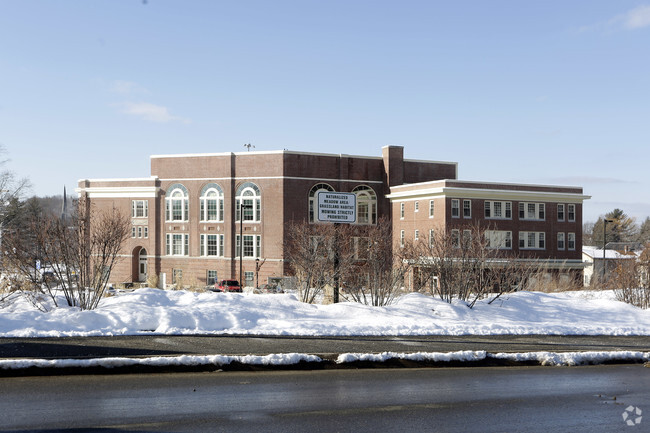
(552, 92)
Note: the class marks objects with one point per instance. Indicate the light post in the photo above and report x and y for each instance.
(242, 206)
(257, 272)
(605, 221)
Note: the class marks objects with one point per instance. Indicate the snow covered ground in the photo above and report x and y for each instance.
(153, 311)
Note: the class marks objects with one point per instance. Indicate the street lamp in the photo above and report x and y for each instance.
(605, 221)
(242, 206)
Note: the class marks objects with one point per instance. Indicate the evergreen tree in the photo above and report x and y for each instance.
(620, 228)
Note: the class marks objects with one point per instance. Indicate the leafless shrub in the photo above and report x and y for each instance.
(630, 281)
(78, 253)
(378, 268)
(469, 264)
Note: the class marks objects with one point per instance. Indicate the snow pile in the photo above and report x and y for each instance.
(153, 311)
(160, 361)
(464, 355)
(574, 358)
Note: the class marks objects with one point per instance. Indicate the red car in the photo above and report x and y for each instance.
(227, 286)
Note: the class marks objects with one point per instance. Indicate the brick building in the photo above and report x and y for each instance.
(187, 223)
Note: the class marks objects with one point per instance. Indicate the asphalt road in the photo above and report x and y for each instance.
(589, 399)
(160, 345)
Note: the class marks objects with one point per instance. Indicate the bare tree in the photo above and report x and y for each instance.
(630, 281)
(470, 263)
(378, 268)
(78, 254)
(317, 256)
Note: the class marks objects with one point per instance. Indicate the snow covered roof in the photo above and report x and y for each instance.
(597, 253)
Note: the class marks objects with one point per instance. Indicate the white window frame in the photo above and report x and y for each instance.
(401, 211)
(140, 209)
(467, 209)
(455, 238)
(455, 208)
(531, 211)
(431, 237)
(571, 241)
(532, 240)
(206, 239)
(313, 199)
(211, 197)
(571, 212)
(402, 239)
(416, 235)
(417, 206)
(366, 205)
(561, 244)
(491, 206)
(499, 239)
(177, 242)
(560, 212)
(431, 209)
(177, 196)
(249, 192)
(133, 232)
(255, 247)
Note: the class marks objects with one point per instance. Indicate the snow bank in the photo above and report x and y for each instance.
(153, 311)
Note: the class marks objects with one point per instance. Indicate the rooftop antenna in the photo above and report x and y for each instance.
(248, 146)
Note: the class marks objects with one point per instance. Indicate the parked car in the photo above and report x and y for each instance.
(227, 286)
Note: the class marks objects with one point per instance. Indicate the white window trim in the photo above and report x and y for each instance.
(499, 239)
(539, 238)
(561, 241)
(569, 212)
(169, 245)
(506, 206)
(431, 208)
(469, 208)
(563, 207)
(257, 246)
(135, 208)
(539, 208)
(455, 206)
(204, 245)
(571, 238)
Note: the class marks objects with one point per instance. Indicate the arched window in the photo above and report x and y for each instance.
(211, 203)
(249, 200)
(366, 205)
(176, 203)
(313, 198)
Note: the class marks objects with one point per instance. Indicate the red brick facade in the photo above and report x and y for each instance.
(172, 236)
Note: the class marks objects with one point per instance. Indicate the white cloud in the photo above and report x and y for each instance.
(151, 112)
(637, 18)
(127, 87)
(633, 19)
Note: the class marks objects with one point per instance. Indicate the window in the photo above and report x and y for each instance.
(572, 212)
(313, 199)
(571, 244)
(252, 245)
(467, 238)
(455, 238)
(401, 210)
(560, 241)
(417, 235)
(401, 238)
(177, 276)
(133, 231)
(139, 208)
(211, 203)
(532, 240)
(248, 278)
(532, 211)
(455, 208)
(498, 239)
(146, 232)
(560, 212)
(498, 209)
(178, 244)
(417, 206)
(431, 208)
(212, 245)
(366, 205)
(361, 247)
(249, 200)
(467, 208)
(176, 203)
(431, 238)
(211, 277)
(139, 231)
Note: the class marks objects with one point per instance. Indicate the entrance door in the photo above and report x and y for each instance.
(142, 266)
